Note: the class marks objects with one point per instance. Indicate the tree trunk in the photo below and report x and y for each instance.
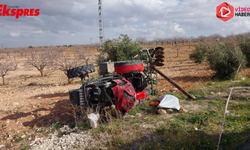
(41, 71)
(3, 80)
(70, 81)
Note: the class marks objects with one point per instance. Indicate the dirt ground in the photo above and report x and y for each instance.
(30, 102)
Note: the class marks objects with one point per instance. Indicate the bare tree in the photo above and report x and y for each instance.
(22, 51)
(5, 67)
(215, 37)
(41, 59)
(167, 40)
(156, 41)
(8, 51)
(176, 40)
(201, 38)
(64, 62)
(141, 40)
(83, 55)
(190, 39)
(177, 49)
(181, 40)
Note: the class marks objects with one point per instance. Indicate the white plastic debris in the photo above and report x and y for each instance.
(169, 101)
(196, 129)
(93, 119)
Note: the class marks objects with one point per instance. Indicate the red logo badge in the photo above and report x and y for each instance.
(225, 11)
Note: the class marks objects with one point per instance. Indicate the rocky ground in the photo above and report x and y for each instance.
(70, 140)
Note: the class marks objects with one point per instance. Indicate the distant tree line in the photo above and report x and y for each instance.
(191, 39)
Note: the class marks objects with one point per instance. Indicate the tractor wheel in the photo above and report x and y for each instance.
(80, 71)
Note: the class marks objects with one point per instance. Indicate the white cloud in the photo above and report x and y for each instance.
(14, 34)
(63, 32)
(38, 31)
(178, 29)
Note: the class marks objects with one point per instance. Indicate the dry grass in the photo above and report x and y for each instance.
(198, 129)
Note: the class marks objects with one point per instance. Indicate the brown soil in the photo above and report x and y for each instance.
(29, 102)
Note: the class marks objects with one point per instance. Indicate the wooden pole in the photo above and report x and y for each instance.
(173, 83)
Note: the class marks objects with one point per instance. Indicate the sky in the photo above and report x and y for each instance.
(65, 22)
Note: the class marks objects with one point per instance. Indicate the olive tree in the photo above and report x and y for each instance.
(223, 57)
(122, 48)
(244, 44)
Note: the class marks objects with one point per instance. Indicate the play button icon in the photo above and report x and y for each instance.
(225, 11)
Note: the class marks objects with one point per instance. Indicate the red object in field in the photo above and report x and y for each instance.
(124, 95)
(141, 95)
(154, 103)
(125, 67)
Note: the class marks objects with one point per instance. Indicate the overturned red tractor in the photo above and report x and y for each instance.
(124, 84)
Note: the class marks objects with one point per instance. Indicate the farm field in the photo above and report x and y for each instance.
(31, 105)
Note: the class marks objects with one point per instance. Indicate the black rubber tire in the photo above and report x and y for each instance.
(159, 48)
(76, 97)
(127, 63)
(80, 71)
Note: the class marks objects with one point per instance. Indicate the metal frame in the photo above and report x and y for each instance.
(148, 59)
(101, 32)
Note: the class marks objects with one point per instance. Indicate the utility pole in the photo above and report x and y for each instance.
(90, 40)
(101, 33)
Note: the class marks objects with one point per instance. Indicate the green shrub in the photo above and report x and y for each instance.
(198, 55)
(84, 126)
(225, 58)
(245, 48)
(60, 134)
(99, 60)
(18, 139)
(121, 49)
(56, 126)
